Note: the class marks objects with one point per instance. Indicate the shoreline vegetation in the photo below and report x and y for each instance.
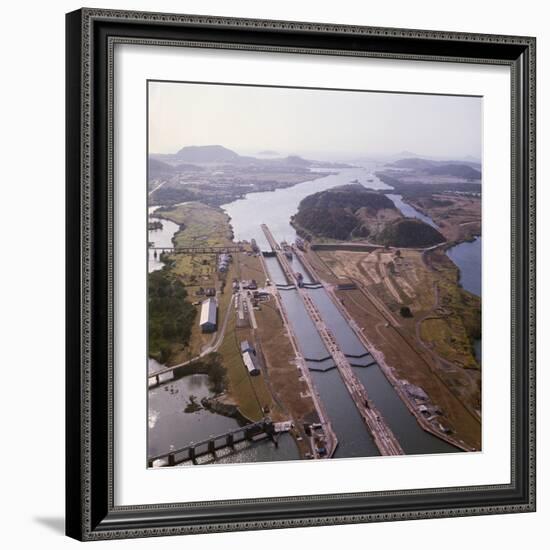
(170, 315)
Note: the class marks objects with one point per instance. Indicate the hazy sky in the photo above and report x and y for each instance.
(312, 122)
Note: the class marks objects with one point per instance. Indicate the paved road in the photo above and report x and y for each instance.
(157, 187)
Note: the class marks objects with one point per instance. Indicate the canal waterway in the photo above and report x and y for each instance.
(354, 439)
(413, 439)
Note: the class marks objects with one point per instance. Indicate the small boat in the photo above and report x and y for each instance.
(287, 250)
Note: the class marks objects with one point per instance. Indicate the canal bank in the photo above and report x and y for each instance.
(466, 255)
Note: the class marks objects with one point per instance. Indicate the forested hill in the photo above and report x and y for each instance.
(409, 232)
(351, 212)
(352, 196)
(341, 212)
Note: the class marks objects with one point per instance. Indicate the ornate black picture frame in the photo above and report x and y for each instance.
(91, 513)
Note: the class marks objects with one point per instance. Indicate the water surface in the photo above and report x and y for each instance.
(170, 427)
(467, 257)
(159, 238)
(275, 208)
(409, 211)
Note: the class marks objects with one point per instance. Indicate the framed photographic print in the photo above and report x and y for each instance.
(300, 274)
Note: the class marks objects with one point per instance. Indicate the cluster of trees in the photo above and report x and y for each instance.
(216, 372)
(155, 225)
(408, 232)
(170, 195)
(171, 316)
(333, 213)
(353, 197)
(333, 223)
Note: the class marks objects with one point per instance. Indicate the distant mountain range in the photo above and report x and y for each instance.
(207, 153)
(389, 158)
(459, 169)
(338, 213)
(158, 168)
(218, 154)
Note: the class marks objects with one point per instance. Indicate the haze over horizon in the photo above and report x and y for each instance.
(323, 124)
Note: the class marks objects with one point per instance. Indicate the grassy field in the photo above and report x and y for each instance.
(250, 267)
(283, 374)
(202, 225)
(458, 316)
(249, 392)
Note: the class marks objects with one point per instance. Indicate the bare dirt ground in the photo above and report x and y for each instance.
(437, 358)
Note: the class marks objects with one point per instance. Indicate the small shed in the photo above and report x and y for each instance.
(250, 363)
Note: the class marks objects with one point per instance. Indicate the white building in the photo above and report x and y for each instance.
(208, 318)
(250, 363)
